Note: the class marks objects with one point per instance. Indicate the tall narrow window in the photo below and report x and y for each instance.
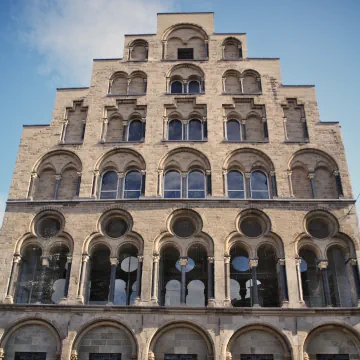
(233, 130)
(194, 87)
(259, 185)
(175, 130)
(109, 185)
(135, 130)
(235, 183)
(196, 185)
(172, 185)
(132, 189)
(176, 87)
(195, 131)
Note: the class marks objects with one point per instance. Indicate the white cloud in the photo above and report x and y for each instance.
(68, 34)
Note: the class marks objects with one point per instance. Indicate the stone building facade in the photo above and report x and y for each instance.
(186, 205)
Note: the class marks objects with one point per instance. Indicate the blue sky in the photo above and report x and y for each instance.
(46, 44)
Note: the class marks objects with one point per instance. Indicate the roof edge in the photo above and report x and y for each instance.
(72, 88)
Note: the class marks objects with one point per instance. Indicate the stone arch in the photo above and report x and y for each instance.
(231, 81)
(311, 158)
(273, 240)
(305, 243)
(251, 82)
(49, 344)
(203, 344)
(185, 71)
(139, 50)
(119, 83)
(254, 127)
(107, 326)
(137, 85)
(236, 240)
(279, 342)
(232, 49)
(335, 336)
(114, 131)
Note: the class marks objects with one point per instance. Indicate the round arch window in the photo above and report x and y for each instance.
(319, 228)
(251, 227)
(116, 227)
(184, 227)
(48, 227)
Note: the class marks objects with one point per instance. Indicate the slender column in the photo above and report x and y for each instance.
(143, 181)
(285, 128)
(324, 274)
(63, 132)
(184, 185)
(145, 86)
(85, 259)
(44, 266)
(104, 132)
(32, 187)
(306, 131)
(202, 86)
(95, 183)
(205, 128)
(289, 173)
(57, 184)
(266, 131)
(139, 277)
(160, 181)
(129, 53)
(283, 281)
(243, 129)
(114, 263)
(273, 184)
(183, 262)
(224, 172)
(165, 128)
(13, 277)
(240, 52)
(298, 274)
(124, 132)
(110, 85)
(225, 127)
(247, 185)
(227, 259)
(163, 50)
(311, 176)
(168, 85)
(185, 87)
(223, 52)
(143, 122)
(120, 192)
(155, 278)
(354, 265)
(208, 183)
(259, 84)
(67, 278)
(338, 183)
(74, 355)
(224, 84)
(83, 130)
(78, 184)
(253, 263)
(241, 85)
(206, 49)
(146, 52)
(128, 87)
(211, 293)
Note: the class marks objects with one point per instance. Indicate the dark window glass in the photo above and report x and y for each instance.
(175, 130)
(259, 185)
(109, 185)
(115, 227)
(176, 87)
(256, 357)
(30, 356)
(332, 357)
(132, 189)
(184, 227)
(318, 228)
(194, 87)
(233, 130)
(196, 185)
(251, 227)
(185, 54)
(48, 227)
(104, 356)
(195, 130)
(235, 182)
(180, 357)
(135, 130)
(172, 185)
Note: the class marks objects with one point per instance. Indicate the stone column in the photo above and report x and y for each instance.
(283, 282)
(80, 295)
(227, 259)
(224, 172)
(205, 127)
(311, 176)
(165, 128)
(224, 84)
(183, 262)
(324, 274)
(143, 182)
(273, 184)
(208, 183)
(78, 184)
(259, 84)
(44, 266)
(207, 49)
(243, 129)
(63, 132)
(129, 53)
(247, 185)
(160, 182)
(223, 52)
(291, 190)
(155, 278)
(253, 263)
(139, 278)
(67, 279)
(285, 129)
(104, 131)
(184, 185)
(146, 52)
(306, 131)
(12, 281)
(109, 87)
(339, 183)
(143, 122)
(83, 130)
(128, 87)
(354, 265)
(125, 130)
(266, 131)
(298, 273)
(95, 184)
(225, 127)
(57, 184)
(168, 90)
(114, 263)
(164, 52)
(33, 184)
(241, 85)
(185, 87)
(211, 292)
(121, 185)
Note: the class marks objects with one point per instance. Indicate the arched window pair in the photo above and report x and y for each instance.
(185, 87)
(258, 187)
(194, 130)
(113, 186)
(254, 129)
(192, 185)
(195, 277)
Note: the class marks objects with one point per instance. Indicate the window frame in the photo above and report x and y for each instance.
(187, 183)
(179, 50)
(260, 191)
(240, 130)
(182, 87)
(188, 130)
(108, 191)
(244, 184)
(188, 86)
(124, 190)
(182, 130)
(128, 131)
(181, 185)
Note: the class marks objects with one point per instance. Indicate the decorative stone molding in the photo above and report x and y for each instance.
(323, 265)
(228, 355)
(74, 355)
(114, 261)
(211, 259)
(253, 263)
(151, 356)
(183, 261)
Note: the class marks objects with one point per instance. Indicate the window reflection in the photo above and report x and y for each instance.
(176, 87)
(109, 185)
(233, 130)
(135, 130)
(195, 130)
(132, 189)
(175, 130)
(235, 184)
(194, 87)
(259, 185)
(172, 185)
(196, 185)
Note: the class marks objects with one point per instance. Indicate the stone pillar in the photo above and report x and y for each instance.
(121, 185)
(78, 184)
(104, 131)
(146, 52)
(211, 292)
(12, 281)
(311, 176)
(44, 266)
(247, 185)
(285, 129)
(128, 87)
(273, 184)
(265, 127)
(283, 282)
(67, 278)
(339, 183)
(33, 184)
(129, 53)
(242, 85)
(125, 130)
(168, 90)
(291, 190)
(225, 127)
(298, 273)
(114, 263)
(208, 183)
(143, 182)
(205, 128)
(145, 86)
(206, 49)
(184, 185)
(224, 84)
(223, 52)
(185, 87)
(253, 263)
(110, 85)
(160, 182)
(259, 84)
(163, 55)
(83, 130)
(324, 274)
(80, 295)
(155, 278)
(227, 259)
(57, 184)
(224, 172)
(183, 262)
(63, 132)
(95, 184)
(243, 129)
(143, 122)
(165, 128)
(139, 278)
(354, 265)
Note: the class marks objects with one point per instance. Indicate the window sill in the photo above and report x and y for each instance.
(296, 141)
(184, 60)
(240, 93)
(184, 94)
(117, 95)
(70, 143)
(184, 141)
(266, 141)
(238, 59)
(137, 61)
(120, 142)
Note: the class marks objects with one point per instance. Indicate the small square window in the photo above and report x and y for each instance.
(186, 54)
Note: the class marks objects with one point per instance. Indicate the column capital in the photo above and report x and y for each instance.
(303, 119)
(34, 175)
(289, 172)
(336, 172)
(248, 175)
(183, 261)
(142, 172)
(44, 261)
(263, 119)
(311, 175)
(204, 119)
(253, 263)
(114, 261)
(2, 353)
(298, 261)
(208, 172)
(285, 119)
(323, 264)
(227, 259)
(79, 173)
(58, 177)
(183, 174)
(16, 259)
(143, 119)
(156, 258)
(74, 355)
(105, 120)
(85, 258)
(165, 118)
(211, 259)
(225, 119)
(243, 121)
(353, 262)
(272, 173)
(151, 355)
(281, 262)
(228, 355)
(224, 172)
(160, 171)
(69, 259)
(140, 258)
(120, 175)
(96, 172)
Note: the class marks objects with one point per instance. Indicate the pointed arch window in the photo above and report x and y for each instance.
(235, 185)
(259, 185)
(109, 185)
